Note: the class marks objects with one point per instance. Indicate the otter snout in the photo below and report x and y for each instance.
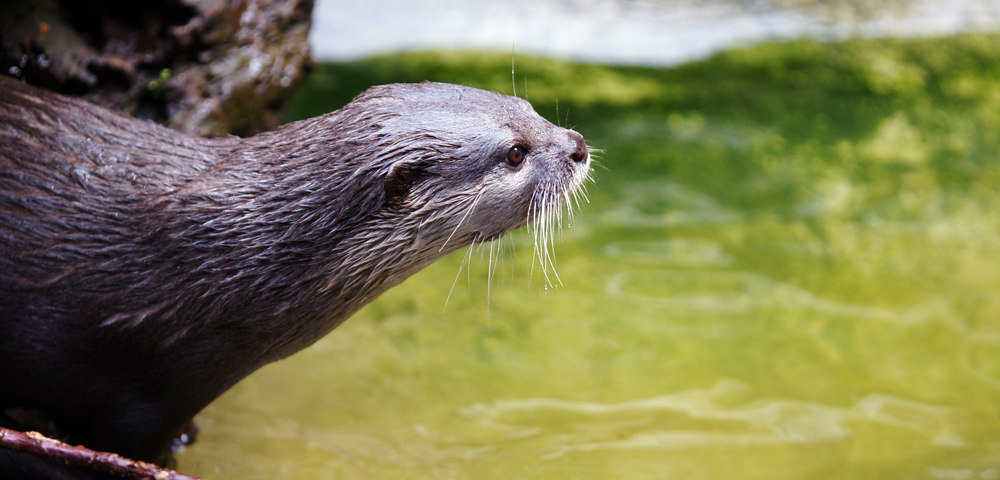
(580, 154)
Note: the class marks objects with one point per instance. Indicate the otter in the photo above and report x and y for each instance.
(143, 272)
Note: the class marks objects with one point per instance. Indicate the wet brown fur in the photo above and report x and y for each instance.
(144, 272)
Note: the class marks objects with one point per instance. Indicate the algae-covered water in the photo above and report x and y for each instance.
(789, 269)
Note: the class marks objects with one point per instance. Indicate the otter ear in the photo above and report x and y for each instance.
(398, 181)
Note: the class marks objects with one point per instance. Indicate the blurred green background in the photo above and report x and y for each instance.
(788, 269)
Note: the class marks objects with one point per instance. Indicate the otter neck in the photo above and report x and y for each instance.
(299, 253)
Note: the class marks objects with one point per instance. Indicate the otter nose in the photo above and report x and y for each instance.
(580, 154)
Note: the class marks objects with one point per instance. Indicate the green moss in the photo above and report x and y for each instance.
(788, 270)
(770, 120)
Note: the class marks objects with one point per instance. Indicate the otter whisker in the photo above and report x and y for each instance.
(596, 162)
(576, 198)
(550, 226)
(538, 228)
(513, 79)
(503, 260)
(491, 271)
(465, 259)
(552, 258)
(467, 212)
(532, 218)
(570, 214)
(500, 253)
(542, 235)
(559, 212)
(583, 192)
(545, 233)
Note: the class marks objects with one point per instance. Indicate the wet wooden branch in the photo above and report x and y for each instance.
(36, 444)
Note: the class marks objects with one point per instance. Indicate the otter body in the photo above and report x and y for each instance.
(143, 272)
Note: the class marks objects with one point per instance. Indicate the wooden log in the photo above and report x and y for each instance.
(38, 445)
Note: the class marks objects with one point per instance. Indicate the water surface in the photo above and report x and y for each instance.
(647, 32)
(789, 269)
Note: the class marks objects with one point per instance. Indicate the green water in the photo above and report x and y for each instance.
(789, 269)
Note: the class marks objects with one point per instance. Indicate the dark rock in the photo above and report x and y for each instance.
(206, 67)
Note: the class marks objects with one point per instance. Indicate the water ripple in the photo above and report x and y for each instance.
(740, 292)
(600, 426)
(662, 203)
(689, 252)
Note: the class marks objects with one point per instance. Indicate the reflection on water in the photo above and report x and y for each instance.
(686, 293)
(663, 204)
(692, 419)
(691, 252)
(789, 270)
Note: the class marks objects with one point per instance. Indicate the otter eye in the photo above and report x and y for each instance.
(515, 156)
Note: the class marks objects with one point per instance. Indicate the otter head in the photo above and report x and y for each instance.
(462, 165)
